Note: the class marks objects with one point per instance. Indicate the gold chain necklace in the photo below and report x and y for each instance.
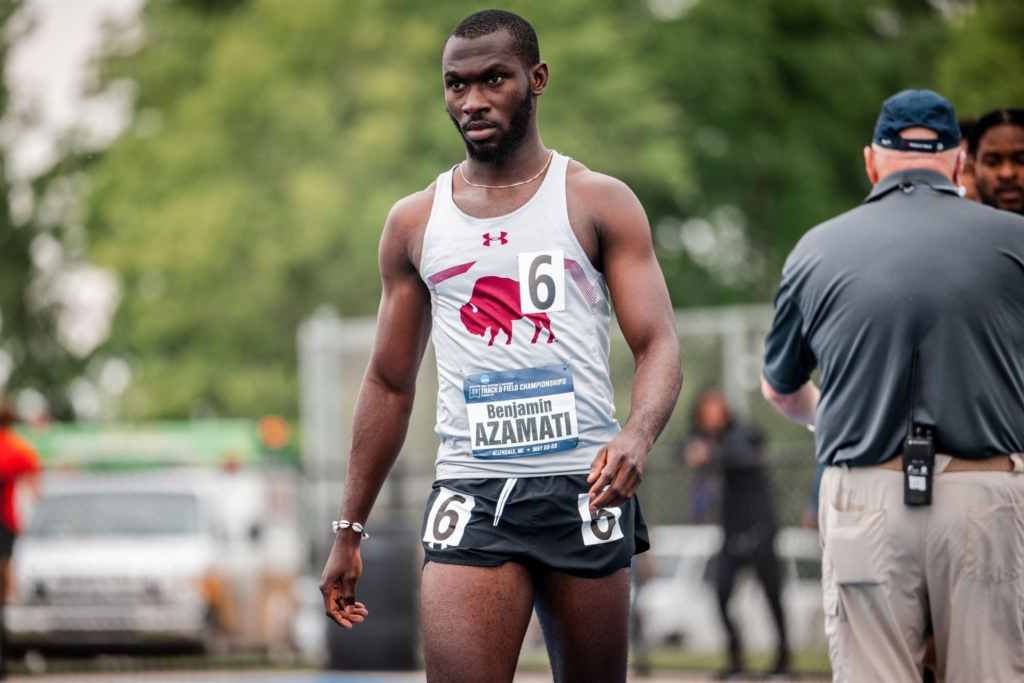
(502, 187)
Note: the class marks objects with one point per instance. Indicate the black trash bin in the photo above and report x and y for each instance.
(389, 587)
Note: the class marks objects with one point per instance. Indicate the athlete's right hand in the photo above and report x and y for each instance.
(617, 470)
(338, 584)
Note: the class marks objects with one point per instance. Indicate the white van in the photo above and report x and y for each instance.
(204, 558)
(678, 605)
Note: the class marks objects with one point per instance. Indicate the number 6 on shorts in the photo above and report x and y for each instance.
(599, 527)
(448, 517)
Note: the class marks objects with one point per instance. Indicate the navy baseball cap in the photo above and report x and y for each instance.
(913, 108)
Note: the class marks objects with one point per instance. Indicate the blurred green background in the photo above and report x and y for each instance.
(269, 138)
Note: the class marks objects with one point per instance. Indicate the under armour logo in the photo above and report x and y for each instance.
(501, 238)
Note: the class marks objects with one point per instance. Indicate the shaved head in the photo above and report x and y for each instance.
(524, 43)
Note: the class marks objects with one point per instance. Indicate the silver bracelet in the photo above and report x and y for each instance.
(345, 524)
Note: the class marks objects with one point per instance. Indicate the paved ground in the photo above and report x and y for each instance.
(319, 677)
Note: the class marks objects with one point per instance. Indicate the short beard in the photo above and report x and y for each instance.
(508, 143)
(989, 199)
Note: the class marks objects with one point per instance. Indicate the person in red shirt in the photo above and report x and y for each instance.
(17, 459)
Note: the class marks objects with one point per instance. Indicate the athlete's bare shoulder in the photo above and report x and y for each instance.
(402, 240)
(600, 207)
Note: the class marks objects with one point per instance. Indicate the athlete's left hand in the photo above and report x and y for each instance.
(617, 471)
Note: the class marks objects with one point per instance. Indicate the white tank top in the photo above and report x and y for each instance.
(521, 337)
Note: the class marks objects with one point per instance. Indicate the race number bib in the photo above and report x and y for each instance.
(542, 281)
(599, 527)
(518, 413)
(448, 518)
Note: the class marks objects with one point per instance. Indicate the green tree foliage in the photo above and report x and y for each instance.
(983, 68)
(15, 262)
(270, 139)
(780, 97)
(37, 252)
(31, 353)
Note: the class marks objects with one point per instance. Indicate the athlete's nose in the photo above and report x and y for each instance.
(475, 101)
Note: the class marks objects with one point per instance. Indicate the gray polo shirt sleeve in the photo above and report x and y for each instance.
(788, 360)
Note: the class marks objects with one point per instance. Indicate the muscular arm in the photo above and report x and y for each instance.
(381, 417)
(645, 316)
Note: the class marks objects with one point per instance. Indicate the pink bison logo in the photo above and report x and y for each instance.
(495, 305)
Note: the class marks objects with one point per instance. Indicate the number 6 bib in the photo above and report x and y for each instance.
(518, 413)
(448, 518)
(542, 281)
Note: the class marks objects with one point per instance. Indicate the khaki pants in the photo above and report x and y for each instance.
(888, 568)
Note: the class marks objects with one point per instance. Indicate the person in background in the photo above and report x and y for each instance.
(967, 179)
(910, 306)
(748, 519)
(17, 459)
(701, 503)
(996, 154)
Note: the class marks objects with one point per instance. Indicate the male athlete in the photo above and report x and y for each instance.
(996, 148)
(514, 258)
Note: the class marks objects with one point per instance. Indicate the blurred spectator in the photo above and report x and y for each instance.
(719, 441)
(996, 153)
(701, 503)
(967, 178)
(17, 459)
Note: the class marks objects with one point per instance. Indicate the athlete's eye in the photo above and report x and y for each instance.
(495, 80)
(456, 86)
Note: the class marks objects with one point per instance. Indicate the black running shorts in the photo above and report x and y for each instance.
(540, 522)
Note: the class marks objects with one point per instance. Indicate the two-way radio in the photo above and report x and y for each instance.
(918, 453)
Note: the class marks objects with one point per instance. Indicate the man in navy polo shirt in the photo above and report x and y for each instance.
(914, 272)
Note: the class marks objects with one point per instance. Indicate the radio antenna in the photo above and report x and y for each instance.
(913, 385)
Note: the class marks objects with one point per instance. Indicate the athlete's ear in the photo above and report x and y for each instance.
(539, 78)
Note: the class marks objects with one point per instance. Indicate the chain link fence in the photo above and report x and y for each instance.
(721, 347)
